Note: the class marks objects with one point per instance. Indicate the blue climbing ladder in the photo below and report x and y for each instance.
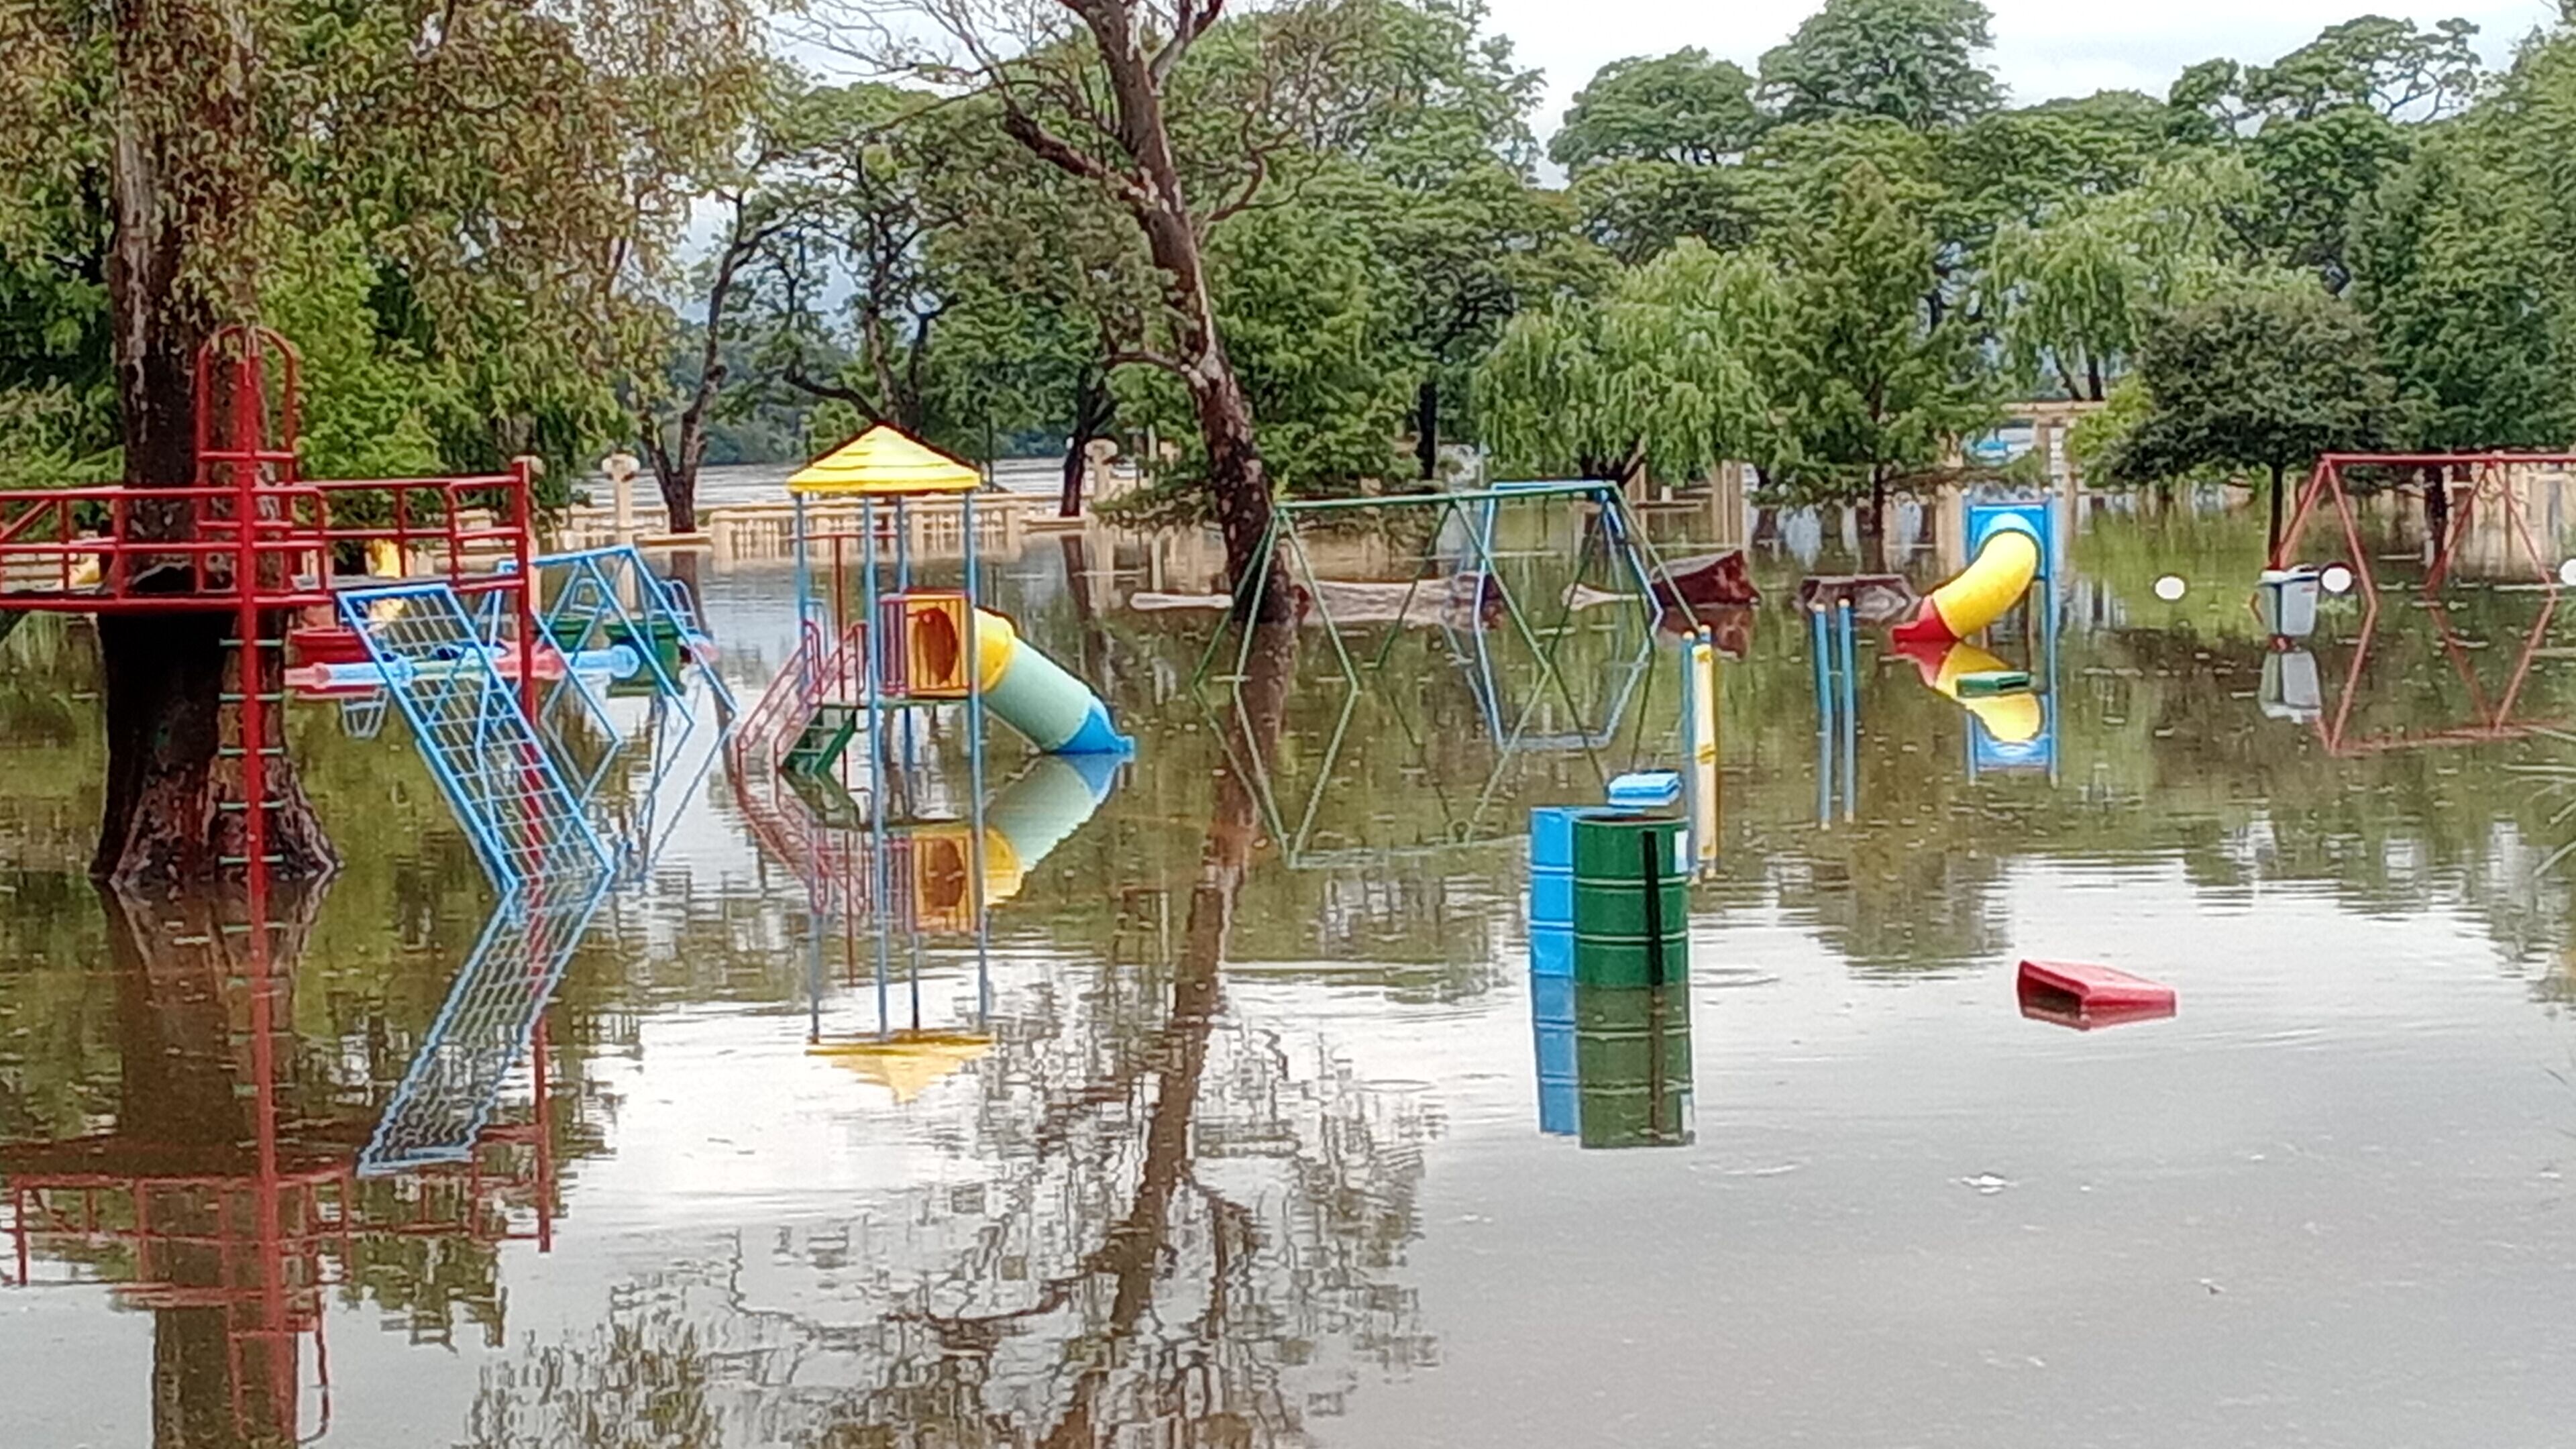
(441, 666)
(483, 1029)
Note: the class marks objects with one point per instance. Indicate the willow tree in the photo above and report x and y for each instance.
(510, 169)
(2074, 294)
(1666, 376)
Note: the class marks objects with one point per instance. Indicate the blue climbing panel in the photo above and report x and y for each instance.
(439, 1110)
(441, 665)
(609, 602)
(604, 598)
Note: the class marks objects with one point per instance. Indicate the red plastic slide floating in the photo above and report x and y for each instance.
(2084, 996)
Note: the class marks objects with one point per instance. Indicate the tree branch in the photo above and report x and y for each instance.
(792, 373)
(1192, 21)
(1142, 357)
(1258, 174)
(1065, 156)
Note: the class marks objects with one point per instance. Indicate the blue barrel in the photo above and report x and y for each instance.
(1560, 1082)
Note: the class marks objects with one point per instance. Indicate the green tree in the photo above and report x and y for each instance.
(1664, 376)
(1683, 107)
(677, 409)
(2266, 378)
(1913, 61)
(2450, 266)
(2382, 65)
(2071, 296)
(1635, 209)
(2017, 165)
(509, 173)
(2327, 124)
(1303, 307)
(1649, 148)
(1877, 381)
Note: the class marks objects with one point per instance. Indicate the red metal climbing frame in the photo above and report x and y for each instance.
(253, 539)
(2490, 483)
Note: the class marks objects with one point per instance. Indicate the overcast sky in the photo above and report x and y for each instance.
(2043, 48)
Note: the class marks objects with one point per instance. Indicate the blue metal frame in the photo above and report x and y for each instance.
(438, 1111)
(488, 757)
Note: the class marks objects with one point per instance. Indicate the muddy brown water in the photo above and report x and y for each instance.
(1234, 1135)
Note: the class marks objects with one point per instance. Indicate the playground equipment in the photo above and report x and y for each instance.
(1554, 666)
(458, 648)
(2490, 486)
(836, 766)
(2008, 548)
(2011, 575)
(2286, 599)
(253, 1231)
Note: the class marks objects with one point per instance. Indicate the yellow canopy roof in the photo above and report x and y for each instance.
(907, 1064)
(884, 462)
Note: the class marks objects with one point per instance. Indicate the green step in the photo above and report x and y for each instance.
(826, 736)
(832, 807)
(1994, 683)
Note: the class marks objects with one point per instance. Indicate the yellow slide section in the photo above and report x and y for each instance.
(2013, 719)
(1982, 593)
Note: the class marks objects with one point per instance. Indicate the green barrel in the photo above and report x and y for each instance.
(1633, 1066)
(1631, 906)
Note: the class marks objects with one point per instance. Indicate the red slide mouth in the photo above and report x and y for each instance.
(1927, 627)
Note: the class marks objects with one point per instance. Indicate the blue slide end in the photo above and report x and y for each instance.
(1097, 736)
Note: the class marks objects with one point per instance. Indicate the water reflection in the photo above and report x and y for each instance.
(226, 1192)
(1162, 1234)
(1231, 1152)
(491, 1021)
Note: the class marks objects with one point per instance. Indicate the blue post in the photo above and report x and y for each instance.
(1821, 645)
(909, 753)
(975, 750)
(805, 630)
(1851, 716)
(878, 906)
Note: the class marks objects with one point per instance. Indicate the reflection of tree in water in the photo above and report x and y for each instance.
(209, 1177)
(1181, 1232)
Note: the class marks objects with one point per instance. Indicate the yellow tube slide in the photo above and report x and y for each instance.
(1983, 592)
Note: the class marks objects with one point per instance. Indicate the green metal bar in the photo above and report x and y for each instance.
(1415, 500)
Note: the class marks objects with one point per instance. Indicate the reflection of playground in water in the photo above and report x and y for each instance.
(235, 1191)
(1159, 1222)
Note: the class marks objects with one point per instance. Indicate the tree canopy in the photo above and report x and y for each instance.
(2266, 378)
(517, 226)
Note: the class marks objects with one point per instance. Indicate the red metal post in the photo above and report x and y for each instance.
(523, 474)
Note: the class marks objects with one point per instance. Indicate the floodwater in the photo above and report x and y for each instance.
(1234, 1135)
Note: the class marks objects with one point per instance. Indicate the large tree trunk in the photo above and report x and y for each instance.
(1426, 428)
(1094, 408)
(1238, 485)
(675, 471)
(165, 673)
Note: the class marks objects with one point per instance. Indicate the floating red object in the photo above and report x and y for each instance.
(2085, 996)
